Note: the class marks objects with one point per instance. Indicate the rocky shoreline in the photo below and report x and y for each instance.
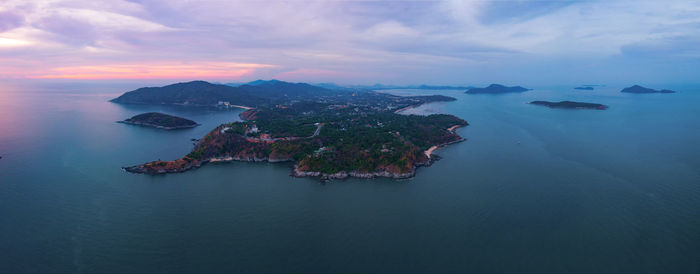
(197, 164)
(356, 174)
(295, 172)
(369, 175)
(162, 167)
(341, 175)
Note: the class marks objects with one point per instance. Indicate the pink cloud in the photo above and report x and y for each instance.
(198, 70)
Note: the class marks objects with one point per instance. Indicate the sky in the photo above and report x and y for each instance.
(352, 42)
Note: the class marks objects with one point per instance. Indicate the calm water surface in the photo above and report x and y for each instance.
(532, 190)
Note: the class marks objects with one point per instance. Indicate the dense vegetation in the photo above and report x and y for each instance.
(201, 93)
(380, 141)
(264, 94)
(160, 120)
(351, 132)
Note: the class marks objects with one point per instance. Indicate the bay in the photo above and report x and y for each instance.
(533, 189)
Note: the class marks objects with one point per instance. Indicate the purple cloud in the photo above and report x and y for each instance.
(441, 42)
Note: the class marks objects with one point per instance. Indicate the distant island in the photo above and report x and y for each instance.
(569, 105)
(160, 120)
(385, 87)
(640, 89)
(496, 89)
(332, 136)
(439, 87)
(584, 88)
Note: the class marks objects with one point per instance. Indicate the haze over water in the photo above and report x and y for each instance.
(545, 190)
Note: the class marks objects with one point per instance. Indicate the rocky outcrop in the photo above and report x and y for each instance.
(356, 174)
(163, 167)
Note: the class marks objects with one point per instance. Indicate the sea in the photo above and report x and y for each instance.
(531, 190)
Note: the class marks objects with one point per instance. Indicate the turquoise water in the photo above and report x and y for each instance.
(533, 189)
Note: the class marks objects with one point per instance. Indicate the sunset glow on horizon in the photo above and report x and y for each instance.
(208, 70)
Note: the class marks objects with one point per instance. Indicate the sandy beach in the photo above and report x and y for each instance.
(430, 151)
(433, 148)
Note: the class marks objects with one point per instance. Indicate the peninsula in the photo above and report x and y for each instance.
(331, 136)
(570, 105)
(496, 89)
(160, 120)
(640, 89)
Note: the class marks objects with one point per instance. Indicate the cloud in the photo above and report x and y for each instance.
(9, 42)
(210, 70)
(669, 47)
(449, 41)
(9, 20)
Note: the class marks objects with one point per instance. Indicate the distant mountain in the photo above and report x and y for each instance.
(640, 89)
(496, 89)
(258, 82)
(275, 89)
(334, 86)
(231, 84)
(383, 87)
(584, 88)
(261, 82)
(442, 87)
(201, 93)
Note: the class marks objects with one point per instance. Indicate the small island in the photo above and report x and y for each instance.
(640, 89)
(584, 88)
(160, 120)
(570, 105)
(496, 89)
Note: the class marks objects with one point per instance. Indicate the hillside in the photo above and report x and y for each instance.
(201, 93)
(496, 89)
(160, 120)
(640, 89)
